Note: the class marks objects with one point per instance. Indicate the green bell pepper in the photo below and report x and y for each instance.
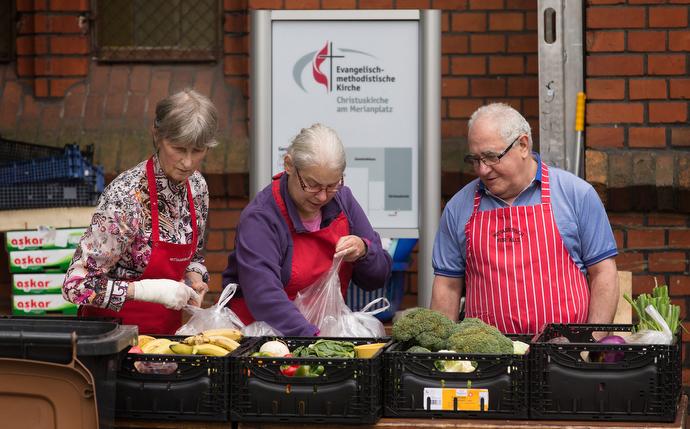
(308, 371)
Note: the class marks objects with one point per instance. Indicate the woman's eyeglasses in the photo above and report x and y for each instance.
(316, 190)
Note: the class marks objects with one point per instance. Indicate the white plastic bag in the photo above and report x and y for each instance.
(218, 316)
(365, 324)
(650, 336)
(322, 304)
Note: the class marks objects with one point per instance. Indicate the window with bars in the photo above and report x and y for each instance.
(6, 31)
(157, 30)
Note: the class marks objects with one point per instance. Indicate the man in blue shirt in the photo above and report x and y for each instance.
(531, 244)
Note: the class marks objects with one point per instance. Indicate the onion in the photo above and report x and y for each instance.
(278, 348)
(615, 356)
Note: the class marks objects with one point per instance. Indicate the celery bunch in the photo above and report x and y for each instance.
(661, 301)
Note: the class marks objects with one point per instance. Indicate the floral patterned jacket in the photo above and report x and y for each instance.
(116, 247)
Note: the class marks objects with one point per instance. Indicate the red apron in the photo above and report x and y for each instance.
(167, 261)
(519, 274)
(312, 256)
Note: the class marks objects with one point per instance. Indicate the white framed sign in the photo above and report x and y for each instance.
(374, 76)
(360, 78)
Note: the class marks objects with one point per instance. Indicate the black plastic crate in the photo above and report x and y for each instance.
(100, 346)
(644, 386)
(12, 151)
(47, 318)
(412, 377)
(349, 391)
(173, 387)
(51, 194)
(66, 166)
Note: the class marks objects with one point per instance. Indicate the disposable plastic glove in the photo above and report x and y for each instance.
(170, 293)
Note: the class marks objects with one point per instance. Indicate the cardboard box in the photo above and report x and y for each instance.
(39, 261)
(44, 238)
(42, 304)
(37, 284)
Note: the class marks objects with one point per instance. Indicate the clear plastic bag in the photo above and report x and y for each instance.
(322, 304)
(260, 329)
(218, 316)
(650, 336)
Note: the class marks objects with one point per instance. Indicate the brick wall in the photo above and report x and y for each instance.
(52, 50)
(637, 86)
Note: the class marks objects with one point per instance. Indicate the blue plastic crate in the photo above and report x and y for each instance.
(68, 166)
(401, 248)
(12, 151)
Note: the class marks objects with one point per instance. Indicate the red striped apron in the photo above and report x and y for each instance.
(167, 261)
(519, 274)
(312, 256)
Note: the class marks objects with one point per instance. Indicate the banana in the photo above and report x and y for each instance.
(182, 349)
(210, 350)
(222, 341)
(153, 345)
(233, 334)
(195, 339)
(144, 339)
(165, 348)
(216, 340)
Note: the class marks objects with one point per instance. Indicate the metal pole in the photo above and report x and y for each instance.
(430, 150)
(260, 90)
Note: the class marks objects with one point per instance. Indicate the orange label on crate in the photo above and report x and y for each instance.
(456, 399)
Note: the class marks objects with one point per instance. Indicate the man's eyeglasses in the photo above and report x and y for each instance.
(316, 190)
(489, 159)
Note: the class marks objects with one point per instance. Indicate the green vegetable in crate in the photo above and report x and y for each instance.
(308, 371)
(418, 349)
(475, 336)
(423, 327)
(327, 348)
(662, 303)
(519, 347)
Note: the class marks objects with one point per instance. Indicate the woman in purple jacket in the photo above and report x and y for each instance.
(288, 235)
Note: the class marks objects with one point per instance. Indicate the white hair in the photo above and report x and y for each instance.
(509, 122)
(319, 146)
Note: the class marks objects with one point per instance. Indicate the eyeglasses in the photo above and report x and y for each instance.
(489, 159)
(316, 190)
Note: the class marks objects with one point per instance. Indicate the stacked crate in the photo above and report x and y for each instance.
(34, 176)
(38, 262)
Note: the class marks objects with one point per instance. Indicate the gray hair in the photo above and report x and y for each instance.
(317, 146)
(510, 122)
(186, 118)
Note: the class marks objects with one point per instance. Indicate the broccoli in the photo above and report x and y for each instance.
(424, 327)
(475, 336)
(418, 349)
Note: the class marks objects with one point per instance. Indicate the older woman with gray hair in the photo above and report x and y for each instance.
(289, 234)
(140, 259)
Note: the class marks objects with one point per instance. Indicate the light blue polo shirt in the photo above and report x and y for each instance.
(578, 211)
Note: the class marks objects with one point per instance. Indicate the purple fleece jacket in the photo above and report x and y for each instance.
(261, 263)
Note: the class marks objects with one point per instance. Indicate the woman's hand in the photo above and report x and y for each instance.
(351, 248)
(194, 280)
